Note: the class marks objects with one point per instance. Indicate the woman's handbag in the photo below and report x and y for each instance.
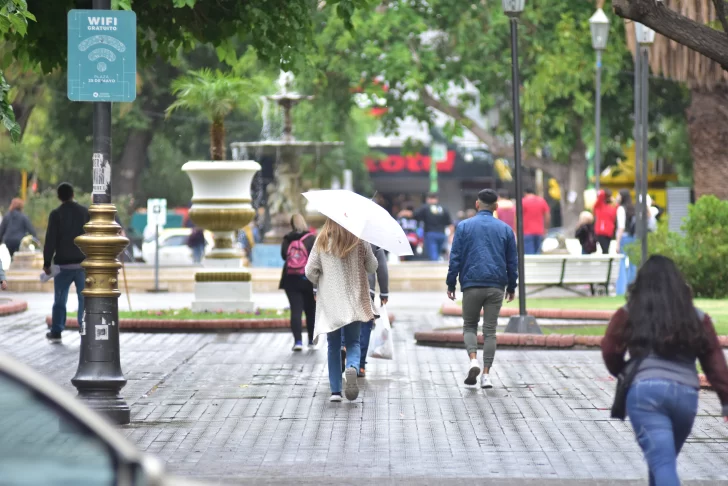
(624, 382)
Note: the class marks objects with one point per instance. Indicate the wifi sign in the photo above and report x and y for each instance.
(101, 55)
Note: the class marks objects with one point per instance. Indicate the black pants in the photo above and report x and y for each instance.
(604, 242)
(12, 248)
(300, 301)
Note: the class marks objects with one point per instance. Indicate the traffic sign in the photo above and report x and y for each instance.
(101, 55)
(156, 212)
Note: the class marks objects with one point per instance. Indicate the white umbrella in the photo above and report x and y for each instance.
(363, 217)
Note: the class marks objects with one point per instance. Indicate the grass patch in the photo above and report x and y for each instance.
(188, 314)
(576, 330)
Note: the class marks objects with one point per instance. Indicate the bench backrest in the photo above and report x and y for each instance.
(571, 269)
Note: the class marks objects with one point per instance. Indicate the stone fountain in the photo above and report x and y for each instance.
(285, 195)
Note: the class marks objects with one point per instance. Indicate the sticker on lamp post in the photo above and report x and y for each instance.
(101, 55)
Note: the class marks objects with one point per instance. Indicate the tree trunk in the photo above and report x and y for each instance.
(133, 159)
(708, 128)
(573, 184)
(217, 140)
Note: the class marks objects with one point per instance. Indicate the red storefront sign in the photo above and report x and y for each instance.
(413, 163)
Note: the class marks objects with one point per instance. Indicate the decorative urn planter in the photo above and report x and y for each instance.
(221, 203)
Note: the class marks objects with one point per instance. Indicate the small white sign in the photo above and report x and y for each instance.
(156, 212)
(102, 332)
(102, 174)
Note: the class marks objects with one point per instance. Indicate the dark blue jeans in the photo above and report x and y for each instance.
(61, 285)
(662, 414)
(434, 242)
(351, 335)
(532, 244)
(364, 336)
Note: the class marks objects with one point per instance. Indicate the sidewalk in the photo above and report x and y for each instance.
(242, 408)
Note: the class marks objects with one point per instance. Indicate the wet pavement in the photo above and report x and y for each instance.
(242, 408)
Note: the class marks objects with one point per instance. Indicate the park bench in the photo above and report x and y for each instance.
(568, 271)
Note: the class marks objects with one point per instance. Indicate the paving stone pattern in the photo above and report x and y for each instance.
(241, 407)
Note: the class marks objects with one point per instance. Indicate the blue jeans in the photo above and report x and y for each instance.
(662, 414)
(61, 284)
(627, 273)
(434, 242)
(532, 244)
(198, 253)
(351, 333)
(366, 332)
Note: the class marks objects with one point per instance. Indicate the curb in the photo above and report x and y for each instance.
(533, 341)
(13, 307)
(548, 341)
(166, 325)
(454, 310)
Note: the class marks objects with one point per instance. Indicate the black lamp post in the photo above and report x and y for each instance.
(645, 37)
(599, 24)
(523, 323)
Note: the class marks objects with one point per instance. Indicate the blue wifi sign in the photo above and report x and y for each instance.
(101, 55)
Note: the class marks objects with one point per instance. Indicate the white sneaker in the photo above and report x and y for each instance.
(351, 387)
(472, 378)
(485, 381)
(336, 398)
(297, 347)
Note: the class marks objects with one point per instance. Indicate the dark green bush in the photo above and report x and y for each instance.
(701, 252)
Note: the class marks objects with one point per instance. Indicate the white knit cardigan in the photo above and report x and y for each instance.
(342, 287)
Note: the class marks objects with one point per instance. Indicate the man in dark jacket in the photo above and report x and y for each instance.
(484, 256)
(65, 223)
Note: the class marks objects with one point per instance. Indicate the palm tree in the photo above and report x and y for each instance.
(707, 115)
(215, 94)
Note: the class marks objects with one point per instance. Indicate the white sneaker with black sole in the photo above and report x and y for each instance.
(485, 381)
(351, 387)
(336, 397)
(473, 373)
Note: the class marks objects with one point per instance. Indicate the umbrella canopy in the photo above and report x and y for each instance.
(361, 216)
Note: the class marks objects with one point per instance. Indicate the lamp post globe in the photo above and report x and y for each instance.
(513, 8)
(645, 36)
(599, 24)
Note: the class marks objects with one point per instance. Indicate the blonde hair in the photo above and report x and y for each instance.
(586, 217)
(336, 240)
(298, 223)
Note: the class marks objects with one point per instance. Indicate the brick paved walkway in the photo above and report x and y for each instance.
(242, 408)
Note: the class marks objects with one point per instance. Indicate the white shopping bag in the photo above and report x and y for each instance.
(381, 344)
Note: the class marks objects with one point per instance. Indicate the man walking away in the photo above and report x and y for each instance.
(484, 256)
(506, 209)
(436, 220)
(536, 217)
(65, 223)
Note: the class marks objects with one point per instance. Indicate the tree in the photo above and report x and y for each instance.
(701, 25)
(215, 94)
(427, 53)
(707, 113)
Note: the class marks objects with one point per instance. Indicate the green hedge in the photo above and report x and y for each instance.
(701, 252)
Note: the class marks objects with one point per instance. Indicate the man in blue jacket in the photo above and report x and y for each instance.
(484, 256)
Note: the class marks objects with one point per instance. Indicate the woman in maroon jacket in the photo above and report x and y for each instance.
(661, 327)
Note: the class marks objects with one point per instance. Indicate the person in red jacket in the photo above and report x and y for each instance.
(605, 215)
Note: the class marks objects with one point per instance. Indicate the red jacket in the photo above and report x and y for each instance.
(605, 216)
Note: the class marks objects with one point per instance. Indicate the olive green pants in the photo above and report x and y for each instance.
(489, 300)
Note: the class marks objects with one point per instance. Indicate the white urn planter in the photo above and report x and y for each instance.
(221, 203)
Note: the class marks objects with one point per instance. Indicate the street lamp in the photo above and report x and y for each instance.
(523, 323)
(645, 37)
(599, 24)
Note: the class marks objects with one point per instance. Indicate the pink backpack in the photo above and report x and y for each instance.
(297, 256)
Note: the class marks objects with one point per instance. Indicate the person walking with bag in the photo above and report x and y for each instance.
(339, 266)
(484, 256)
(664, 334)
(295, 251)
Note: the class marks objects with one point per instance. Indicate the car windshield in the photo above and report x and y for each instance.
(41, 444)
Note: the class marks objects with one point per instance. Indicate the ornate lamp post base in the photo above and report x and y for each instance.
(99, 378)
(523, 325)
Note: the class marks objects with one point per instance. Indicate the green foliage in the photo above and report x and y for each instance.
(7, 116)
(214, 94)
(701, 252)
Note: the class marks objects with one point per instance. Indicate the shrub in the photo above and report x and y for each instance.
(701, 252)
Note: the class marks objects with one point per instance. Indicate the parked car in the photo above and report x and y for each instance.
(173, 249)
(51, 438)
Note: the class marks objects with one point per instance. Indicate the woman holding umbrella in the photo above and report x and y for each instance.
(338, 267)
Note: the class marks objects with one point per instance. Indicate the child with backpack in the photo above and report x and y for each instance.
(295, 250)
(585, 233)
